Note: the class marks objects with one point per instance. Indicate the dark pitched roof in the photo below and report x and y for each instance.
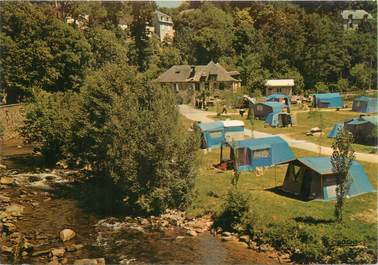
(177, 73)
(163, 17)
(187, 73)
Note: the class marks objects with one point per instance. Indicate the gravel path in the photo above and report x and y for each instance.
(200, 115)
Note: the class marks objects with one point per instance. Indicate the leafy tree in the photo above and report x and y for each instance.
(251, 72)
(325, 55)
(39, 51)
(118, 131)
(118, 12)
(47, 123)
(298, 80)
(142, 16)
(320, 87)
(361, 76)
(106, 47)
(342, 85)
(95, 11)
(234, 211)
(342, 159)
(169, 56)
(206, 34)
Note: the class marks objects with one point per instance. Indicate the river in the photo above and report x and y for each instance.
(46, 212)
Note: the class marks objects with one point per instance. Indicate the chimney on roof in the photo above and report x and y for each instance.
(192, 71)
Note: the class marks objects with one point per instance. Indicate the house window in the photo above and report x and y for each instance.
(212, 77)
(263, 153)
(221, 86)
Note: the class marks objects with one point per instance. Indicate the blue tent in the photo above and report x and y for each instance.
(278, 119)
(279, 98)
(261, 152)
(362, 128)
(212, 134)
(276, 106)
(314, 178)
(328, 100)
(365, 104)
(336, 128)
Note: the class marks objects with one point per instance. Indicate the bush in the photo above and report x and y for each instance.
(320, 87)
(130, 135)
(320, 243)
(47, 123)
(126, 131)
(235, 211)
(342, 85)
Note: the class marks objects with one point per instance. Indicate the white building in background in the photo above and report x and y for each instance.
(81, 22)
(351, 18)
(163, 26)
(279, 86)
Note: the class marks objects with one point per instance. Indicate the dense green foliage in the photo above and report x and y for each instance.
(342, 159)
(126, 132)
(91, 103)
(48, 122)
(38, 50)
(306, 42)
(235, 211)
(280, 40)
(307, 243)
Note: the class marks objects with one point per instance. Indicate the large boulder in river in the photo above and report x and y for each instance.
(99, 261)
(6, 180)
(14, 209)
(58, 252)
(67, 234)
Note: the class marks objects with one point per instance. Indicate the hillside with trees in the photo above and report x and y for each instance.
(306, 42)
(108, 139)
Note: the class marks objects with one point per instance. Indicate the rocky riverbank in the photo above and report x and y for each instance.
(38, 225)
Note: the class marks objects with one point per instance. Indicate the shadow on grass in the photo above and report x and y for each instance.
(313, 221)
(278, 190)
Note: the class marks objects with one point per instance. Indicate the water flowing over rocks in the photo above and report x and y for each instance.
(39, 227)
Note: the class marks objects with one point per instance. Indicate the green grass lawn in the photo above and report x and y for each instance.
(269, 206)
(304, 121)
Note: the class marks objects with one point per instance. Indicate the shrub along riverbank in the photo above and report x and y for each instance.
(127, 133)
(305, 230)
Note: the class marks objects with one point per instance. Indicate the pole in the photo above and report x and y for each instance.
(221, 154)
(275, 176)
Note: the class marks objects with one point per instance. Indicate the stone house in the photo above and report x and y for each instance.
(200, 77)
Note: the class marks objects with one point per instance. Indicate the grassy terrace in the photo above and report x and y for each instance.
(269, 206)
(304, 122)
